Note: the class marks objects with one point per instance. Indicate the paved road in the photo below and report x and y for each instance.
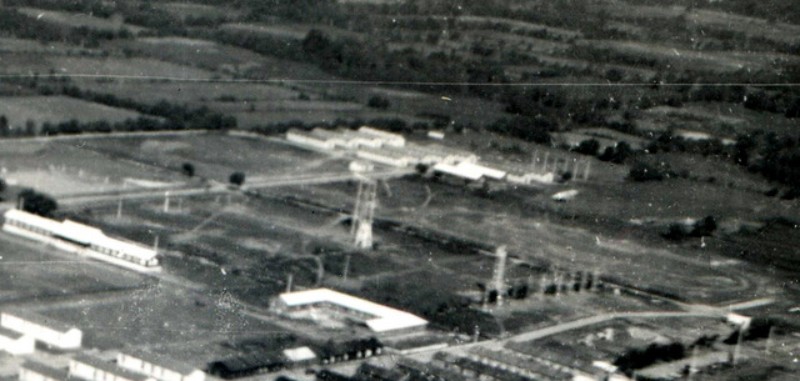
(217, 187)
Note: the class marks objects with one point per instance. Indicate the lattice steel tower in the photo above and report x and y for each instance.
(361, 227)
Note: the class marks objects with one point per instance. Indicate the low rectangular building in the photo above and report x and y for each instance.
(16, 343)
(91, 368)
(50, 332)
(35, 371)
(158, 366)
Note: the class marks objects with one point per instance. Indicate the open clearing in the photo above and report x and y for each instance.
(33, 273)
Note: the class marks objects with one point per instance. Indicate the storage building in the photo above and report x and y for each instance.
(94, 369)
(16, 343)
(48, 331)
(158, 366)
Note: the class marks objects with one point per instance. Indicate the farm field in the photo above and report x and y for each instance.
(77, 20)
(38, 110)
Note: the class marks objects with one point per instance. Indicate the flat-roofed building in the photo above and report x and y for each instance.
(308, 139)
(158, 366)
(90, 368)
(50, 332)
(377, 317)
(16, 343)
(388, 138)
(36, 371)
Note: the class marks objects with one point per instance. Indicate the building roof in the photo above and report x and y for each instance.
(41, 320)
(161, 360)
(31, 219)
(47, 371)
(484, 170)
(458, 171)
(385, 318)
(10, 333)
(110, 368)
(383, 134)
(299, 354)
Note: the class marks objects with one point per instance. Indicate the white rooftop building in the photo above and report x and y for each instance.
(387, 138)
(158, 366)
(48, 331)
(470, 171)
(299, 354)
(16, 343)
(379, 318)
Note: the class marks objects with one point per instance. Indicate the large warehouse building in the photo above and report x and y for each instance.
(45, 330)
(336, 305)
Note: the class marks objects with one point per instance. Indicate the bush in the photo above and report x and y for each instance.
(645, 172)
(588, 147)
(378, 102)
(188, 169)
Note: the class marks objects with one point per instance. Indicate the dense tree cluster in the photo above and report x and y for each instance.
(37, 203)
(641, 358)
(701, 228)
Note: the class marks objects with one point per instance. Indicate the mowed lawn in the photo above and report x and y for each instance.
(55, 109)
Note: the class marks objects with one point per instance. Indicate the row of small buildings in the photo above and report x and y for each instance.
(128, 366)
(393, 150)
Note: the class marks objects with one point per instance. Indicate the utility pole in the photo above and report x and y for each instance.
(346, 269)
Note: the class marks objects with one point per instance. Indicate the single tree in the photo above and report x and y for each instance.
(188, 169)
(237, 178)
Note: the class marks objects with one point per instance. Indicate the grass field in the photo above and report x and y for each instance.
(66, 167)
(57, 109)
(217, 156)
(163, 317)
(32, 273)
